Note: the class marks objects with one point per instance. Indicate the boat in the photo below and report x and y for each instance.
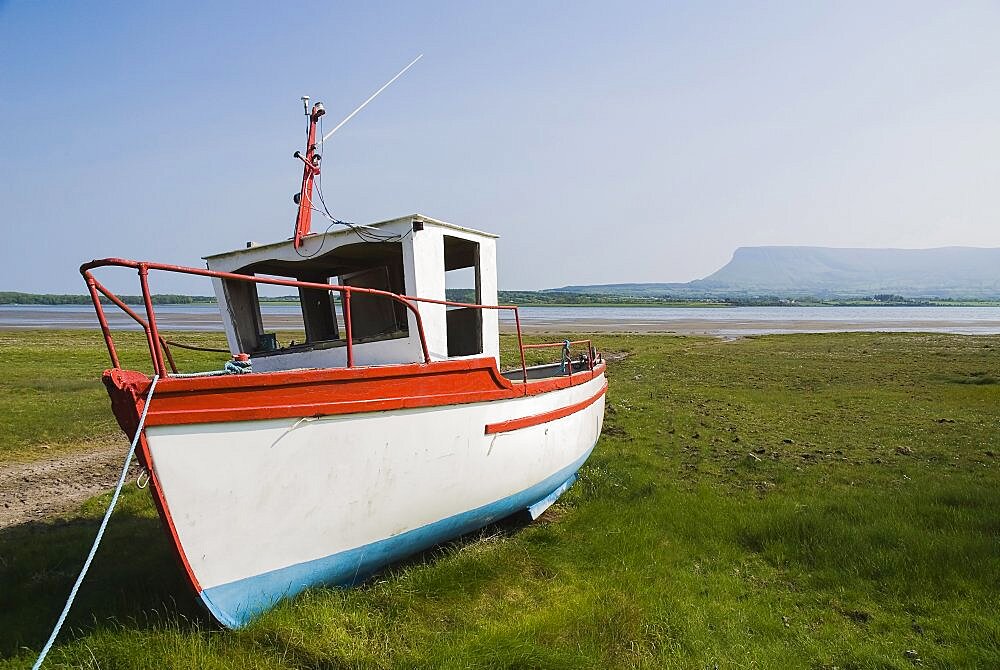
(387, 427)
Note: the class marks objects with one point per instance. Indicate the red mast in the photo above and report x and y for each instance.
(310, 168)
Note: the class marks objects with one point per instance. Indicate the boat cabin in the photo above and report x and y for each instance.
(408, 256)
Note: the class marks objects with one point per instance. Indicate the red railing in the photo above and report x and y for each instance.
(158, 346)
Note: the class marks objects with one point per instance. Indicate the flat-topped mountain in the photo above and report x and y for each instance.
(946, 272)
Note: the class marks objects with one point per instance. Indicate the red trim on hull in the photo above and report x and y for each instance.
(127, 403)
(168, 520)
(322, 392)
(544, 417)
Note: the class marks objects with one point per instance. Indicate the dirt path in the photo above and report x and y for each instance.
(36, 490)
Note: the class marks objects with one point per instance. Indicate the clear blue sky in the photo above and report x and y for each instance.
(605, 142)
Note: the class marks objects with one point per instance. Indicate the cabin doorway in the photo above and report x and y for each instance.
(463, 283)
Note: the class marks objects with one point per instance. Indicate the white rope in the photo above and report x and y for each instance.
(100, 531)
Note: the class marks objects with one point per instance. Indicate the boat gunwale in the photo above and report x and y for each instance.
(331, 391)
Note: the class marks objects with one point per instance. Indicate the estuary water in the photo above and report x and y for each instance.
(719, 321)
(736, 321)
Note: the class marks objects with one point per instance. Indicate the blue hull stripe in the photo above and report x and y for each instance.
(236, 603)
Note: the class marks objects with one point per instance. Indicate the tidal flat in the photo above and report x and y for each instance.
(782, 501)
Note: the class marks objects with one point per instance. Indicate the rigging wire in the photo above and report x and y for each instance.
(364, 233)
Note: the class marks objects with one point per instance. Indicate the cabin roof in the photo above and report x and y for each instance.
(343, 232)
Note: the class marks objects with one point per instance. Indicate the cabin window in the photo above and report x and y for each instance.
(463, 283)
(270, 318)
(374, 315)
(319, 312)
(244, 312)
(377, 265)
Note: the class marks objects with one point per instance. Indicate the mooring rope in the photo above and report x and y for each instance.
(100, 531)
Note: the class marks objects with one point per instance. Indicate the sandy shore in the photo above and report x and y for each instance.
(35, 490)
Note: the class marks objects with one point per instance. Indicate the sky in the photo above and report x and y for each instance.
(604, 142)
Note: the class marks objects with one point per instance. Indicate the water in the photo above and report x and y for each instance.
(723, 321)
(732, 321)
(168, 317)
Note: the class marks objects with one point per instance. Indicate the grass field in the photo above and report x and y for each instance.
(51, 396)
(802, 501)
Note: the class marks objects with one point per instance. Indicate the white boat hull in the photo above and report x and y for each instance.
(264, 509)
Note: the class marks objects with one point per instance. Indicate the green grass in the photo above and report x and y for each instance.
(802, 501)
(51, 394)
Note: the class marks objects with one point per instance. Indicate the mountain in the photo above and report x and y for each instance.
(946, 272)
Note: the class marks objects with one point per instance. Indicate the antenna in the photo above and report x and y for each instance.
(362, 105)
